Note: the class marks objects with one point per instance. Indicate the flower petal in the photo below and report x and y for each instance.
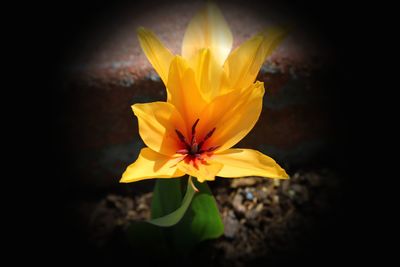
(203, 172)
(151, 165)
(183, 91)
(208, 73)
(233, 115)
(158, 55)
(157, 124)
(244, 63)
(247, 162)
(208, 29)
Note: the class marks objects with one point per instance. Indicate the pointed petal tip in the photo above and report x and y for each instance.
(280, 175)
(284, 175)
(141, 30)
(123, 181)
(134, 108)
(280, 172)
(126, 177)
(208, 28)
(248, 162)
(156, 52)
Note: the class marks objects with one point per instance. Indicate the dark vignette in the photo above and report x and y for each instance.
(69, 23)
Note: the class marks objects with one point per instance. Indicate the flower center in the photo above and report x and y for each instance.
(194, 150)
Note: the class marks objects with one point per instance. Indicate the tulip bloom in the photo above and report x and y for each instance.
(212, 103)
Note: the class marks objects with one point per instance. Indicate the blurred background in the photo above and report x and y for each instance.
(100, 71)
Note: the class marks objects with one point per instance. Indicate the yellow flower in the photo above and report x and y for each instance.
(212, 103)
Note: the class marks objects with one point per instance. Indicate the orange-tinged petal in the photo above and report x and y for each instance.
(208, 29)
(157, 124)
(151, 165)
(158, 55)
(233, 115)
(203, 172)
(207, 73)
(183, 91)
(244, 63)
(247, 162)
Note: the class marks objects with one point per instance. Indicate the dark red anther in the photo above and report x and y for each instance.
(211, 149)
(194, 127)
(193, 149)
(208, 135)
(181, 137)
(193, 140)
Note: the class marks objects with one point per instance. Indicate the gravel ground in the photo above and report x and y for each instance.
(262, 217)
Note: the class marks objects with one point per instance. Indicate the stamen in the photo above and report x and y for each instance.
(212, 148)
(193, 152)
(194, 127)
(181, 137)
(208, 135)
(182, 151)
(193, 140)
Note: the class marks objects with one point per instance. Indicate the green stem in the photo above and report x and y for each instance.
(175, 216)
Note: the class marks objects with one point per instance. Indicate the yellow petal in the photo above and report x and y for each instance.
(207, 73)
(158, 55)
(151, 165)
(203, 172)
(233, 115)
(157, 124)
(247, 162)
(208, 29)
(183, 91)
(244, 63)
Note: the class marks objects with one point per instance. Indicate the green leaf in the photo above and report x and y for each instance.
(202, 221)
(175, 216)
(206, 223)
(191, 221)
(167, 197)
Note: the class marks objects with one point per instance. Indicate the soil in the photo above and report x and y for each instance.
(263, 218)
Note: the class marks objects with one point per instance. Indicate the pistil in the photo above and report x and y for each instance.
(194, 150)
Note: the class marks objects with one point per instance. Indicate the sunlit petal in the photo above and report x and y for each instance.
(208, 29)
(151, 165)
(183, 91)
(247, 162)
(244, 63)
(158, 55)
(157, 124)
(233, 115)
(203, 172)
(207, 73)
